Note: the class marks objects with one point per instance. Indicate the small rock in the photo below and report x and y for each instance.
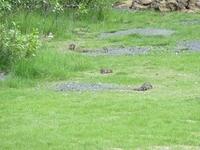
(106, 71)
(72, 47)
(144, 87)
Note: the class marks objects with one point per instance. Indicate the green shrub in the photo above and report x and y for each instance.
(15, 46)
(4, 8)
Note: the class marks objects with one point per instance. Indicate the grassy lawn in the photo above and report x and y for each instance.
(33, 116)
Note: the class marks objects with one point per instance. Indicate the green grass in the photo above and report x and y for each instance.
(40, 119)
(32, 116)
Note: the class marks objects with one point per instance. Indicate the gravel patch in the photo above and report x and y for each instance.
(2, 76)
(178, 147)
(193, 46)
(118, 51)
(191, 22)
(139, 31)
(74, 86)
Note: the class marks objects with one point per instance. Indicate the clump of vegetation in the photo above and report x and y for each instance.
(15, 46)
(81, 6)
(5, 7)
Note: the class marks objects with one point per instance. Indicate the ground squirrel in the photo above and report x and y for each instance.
(72, 47)
(144, 87)
(106, 71)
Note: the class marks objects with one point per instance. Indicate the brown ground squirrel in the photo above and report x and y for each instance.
(144, 87)
(106, 71)
(72, 47)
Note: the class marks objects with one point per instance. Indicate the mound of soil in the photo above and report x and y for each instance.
(118, 51)
(139, 31)
(192, 46)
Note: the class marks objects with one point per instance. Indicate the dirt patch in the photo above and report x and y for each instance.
(118, 51)
(139, 31)
(192, 46)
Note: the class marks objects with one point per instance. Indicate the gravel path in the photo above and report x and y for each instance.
(193, 46)
(118, 51)
(139, 31)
